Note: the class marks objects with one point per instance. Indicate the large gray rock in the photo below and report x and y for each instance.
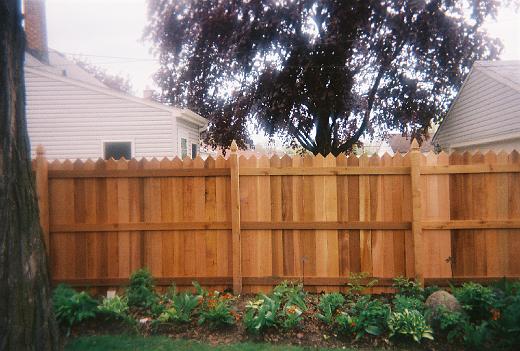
(441, 298)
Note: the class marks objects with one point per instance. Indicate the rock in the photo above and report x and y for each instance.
(441, 298)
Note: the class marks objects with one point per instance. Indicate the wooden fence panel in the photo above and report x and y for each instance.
(310, 218)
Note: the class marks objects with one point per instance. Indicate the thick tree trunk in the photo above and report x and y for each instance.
(26, 317)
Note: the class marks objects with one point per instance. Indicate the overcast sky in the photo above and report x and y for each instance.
(108, 33)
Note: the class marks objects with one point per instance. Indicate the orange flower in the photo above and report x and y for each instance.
(291, 310)
(495, 314)
(227, 296)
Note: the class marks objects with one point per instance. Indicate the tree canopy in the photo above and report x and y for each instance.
(319, 73)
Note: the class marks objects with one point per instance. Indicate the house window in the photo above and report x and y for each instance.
(194, 150)
(117, 150)
(184, 148)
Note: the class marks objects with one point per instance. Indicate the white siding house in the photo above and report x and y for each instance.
(486, 112)
(73, 115)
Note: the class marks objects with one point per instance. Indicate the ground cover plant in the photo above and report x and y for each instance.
(488, 319)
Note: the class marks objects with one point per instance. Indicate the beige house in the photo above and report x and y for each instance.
(485, 115)
(74, 115)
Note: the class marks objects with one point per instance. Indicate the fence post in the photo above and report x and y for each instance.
(42, 192)
(415, 172)
(235, 219)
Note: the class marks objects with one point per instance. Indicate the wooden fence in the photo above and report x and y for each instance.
(250, 223)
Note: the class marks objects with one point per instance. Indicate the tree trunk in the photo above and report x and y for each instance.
(26, 317)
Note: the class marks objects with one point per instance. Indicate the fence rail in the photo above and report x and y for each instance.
(250, 223)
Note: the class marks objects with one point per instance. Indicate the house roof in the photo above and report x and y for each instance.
(65, 70)
(402, 144)
(504, 72)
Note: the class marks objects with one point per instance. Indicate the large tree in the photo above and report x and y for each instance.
(318, 72)
(26, 318)
(113, 81)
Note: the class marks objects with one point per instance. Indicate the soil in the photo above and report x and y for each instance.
(312, 332)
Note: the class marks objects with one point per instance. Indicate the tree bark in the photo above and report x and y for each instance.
(26, 317)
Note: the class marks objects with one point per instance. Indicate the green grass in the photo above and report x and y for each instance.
(160, 343)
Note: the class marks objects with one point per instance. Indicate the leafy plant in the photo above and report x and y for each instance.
(181, 310)
(477, 300)
(140, 292)
(328, 306)
(115, 306)
(452, 323)
(402, 303)
(290, 294)
(367, 316)
(290, 316)
(357, 282)
(71, 307)
(261, 313)
(506, 324)
(407, 287)
(216, 310)
(409, 323)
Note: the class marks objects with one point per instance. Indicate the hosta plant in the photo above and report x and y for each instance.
(290, 294)
(409, 323)
(261, 313)
(116, 306)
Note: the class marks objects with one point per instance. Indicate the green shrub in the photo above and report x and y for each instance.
(476, 300)
(366, 316)
(409, 323)
(452, 323)
(409, 288)
(402, 303)
(71, 307)
(216, 310)
(261, 313)
(427, 291)
(506, 324)
(140, 292)
(328, 306)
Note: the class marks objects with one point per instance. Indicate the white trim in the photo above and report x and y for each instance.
(127, 140)
(183, 113)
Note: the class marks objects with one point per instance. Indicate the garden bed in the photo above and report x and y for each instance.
(487, 317)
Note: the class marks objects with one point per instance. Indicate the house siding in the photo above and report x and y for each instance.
(71, 121)
(484, 109)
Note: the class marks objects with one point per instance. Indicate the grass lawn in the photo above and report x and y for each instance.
(160, 343)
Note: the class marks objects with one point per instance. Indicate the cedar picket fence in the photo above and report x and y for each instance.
(251, 223)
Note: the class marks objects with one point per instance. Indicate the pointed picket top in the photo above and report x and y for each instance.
(187, 161)
(374, 160)
(111, 163)
(67, 164)
(415, 145)
(40, 151)
(430, 158)
(455, 158)
(515, 156)
(78, 164)
(165, 163)
(363, 159)
(443, 158)
(275, 161)
(209, 162)
(264, 161)
(398, 156)
(286, 160)
(477, 157)
(502, 156)
(386, 159)
(341, 158)
(54, 165)
(234, 146)
(198, 162)
(122, 163)
(466, 156)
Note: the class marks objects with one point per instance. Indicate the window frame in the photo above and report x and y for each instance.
(132, 146)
